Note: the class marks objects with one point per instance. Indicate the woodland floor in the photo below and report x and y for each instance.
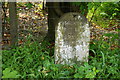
(34, 21)
(32, 60)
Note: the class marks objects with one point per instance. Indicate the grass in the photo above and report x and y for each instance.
(33, 60)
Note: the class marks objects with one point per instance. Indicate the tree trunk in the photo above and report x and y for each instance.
(0, 39)
(52, 19)
(13, 23)
(55, 11)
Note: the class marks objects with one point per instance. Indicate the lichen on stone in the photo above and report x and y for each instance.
(72, 39)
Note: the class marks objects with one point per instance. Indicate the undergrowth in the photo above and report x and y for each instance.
(33, 60)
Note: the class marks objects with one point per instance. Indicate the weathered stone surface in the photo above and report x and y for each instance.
(72, 38)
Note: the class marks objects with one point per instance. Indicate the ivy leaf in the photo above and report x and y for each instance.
(77, 75)
(90, 75)
(103, 13)
(7, 73)
(29, 5)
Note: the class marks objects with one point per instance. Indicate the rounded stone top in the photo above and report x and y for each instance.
(73, 16)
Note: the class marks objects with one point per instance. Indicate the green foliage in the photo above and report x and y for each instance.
(36, 60)
(82, 7)
(101, 13)
(106, 56)
(8, 73)
(86, 71)
(33, 60)
(29, 5)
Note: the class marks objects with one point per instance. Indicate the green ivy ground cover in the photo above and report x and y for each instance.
(33, 60)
